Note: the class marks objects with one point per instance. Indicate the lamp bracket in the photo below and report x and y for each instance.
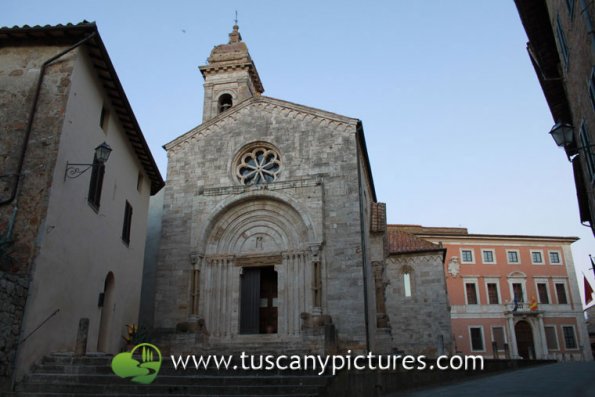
(74, 170)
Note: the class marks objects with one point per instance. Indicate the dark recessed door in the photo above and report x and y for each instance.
(249, 300)
(524, 340)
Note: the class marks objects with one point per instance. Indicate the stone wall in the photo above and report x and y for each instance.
(13, 295)
(576, 25)
(420, 323)
(20, 219)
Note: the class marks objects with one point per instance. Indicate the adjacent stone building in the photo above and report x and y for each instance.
(72, 227)
(416, 302)
(561, 48)
(272, 238)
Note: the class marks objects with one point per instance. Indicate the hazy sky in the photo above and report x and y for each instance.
(455, 121)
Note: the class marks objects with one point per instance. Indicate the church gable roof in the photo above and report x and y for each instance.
(291, 109)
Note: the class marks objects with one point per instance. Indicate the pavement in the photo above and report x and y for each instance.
(569, 379)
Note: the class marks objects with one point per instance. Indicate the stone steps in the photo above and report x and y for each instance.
(67, 375)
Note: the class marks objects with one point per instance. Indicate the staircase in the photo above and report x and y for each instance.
(62, 374)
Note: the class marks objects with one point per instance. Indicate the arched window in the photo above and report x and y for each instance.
(407, 274)
(407, 284)
(224, 103)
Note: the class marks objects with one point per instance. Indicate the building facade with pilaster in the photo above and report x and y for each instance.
(510, 295)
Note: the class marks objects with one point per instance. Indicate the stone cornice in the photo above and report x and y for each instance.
(288, 109)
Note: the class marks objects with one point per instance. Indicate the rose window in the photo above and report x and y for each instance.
(261, 165)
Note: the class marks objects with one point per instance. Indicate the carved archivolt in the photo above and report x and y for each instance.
(256, 227)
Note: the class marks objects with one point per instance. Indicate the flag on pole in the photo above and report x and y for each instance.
(588, 291)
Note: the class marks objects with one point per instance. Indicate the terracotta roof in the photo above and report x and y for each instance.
(460, 233)
(418, 229)
(73, 33)
(400, 242)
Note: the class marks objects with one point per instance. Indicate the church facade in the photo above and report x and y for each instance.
(271, 237)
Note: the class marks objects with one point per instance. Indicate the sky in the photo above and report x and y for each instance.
(455, 121)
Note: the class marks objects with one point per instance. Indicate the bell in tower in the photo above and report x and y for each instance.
(230, 76)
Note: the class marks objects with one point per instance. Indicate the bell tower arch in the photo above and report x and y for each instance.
(230, 76)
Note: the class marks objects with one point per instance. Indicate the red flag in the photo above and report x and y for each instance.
(588, 291)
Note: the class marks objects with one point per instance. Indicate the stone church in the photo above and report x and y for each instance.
(272, 237)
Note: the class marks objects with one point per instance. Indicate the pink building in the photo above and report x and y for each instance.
(511, 296)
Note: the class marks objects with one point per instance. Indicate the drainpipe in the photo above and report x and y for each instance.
(29, 127)
(363, 238)
(18, 177)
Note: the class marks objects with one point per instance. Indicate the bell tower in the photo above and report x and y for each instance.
(230, 76)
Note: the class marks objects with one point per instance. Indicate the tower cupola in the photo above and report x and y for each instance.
(230, 76)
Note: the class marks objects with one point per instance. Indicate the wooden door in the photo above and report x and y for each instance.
(250, 300)
(524, 340)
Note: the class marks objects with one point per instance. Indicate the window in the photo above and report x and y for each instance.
(493, 298)
(517, 292)
(536, 257)
(258, 165)
(562, 43)
(407, 284)
(554, 257)
(476, 338)
(488, 256)
(542, 292)
(513, 256)
(139, 181)
(467, 256)
(225, 102)
(498, 337)
(471, 293)
(104, 118)
(551, 337)
(586, 143)
(561, 293)
(569, 337)
(127, 223)
(96, 184)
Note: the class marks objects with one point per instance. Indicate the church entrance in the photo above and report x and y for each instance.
(524, 340)
(258, 300)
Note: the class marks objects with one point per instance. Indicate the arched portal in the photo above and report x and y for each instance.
(257, 275)
(106, 313)
(524, 340)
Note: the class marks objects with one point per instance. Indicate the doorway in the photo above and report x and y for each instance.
(106, 313)
(258, 300)
(524, 340)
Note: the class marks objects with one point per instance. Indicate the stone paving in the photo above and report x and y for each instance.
(569, 379)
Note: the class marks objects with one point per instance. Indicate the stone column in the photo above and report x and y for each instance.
(541, 330)
(514, 351)
(218, 297)
(316, 277)
(295, 291)
(196, 261)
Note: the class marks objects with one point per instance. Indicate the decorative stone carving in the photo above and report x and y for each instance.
(454, 267)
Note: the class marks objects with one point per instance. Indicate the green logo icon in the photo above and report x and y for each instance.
(125, 365)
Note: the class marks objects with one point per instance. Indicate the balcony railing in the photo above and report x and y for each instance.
(522, 307)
